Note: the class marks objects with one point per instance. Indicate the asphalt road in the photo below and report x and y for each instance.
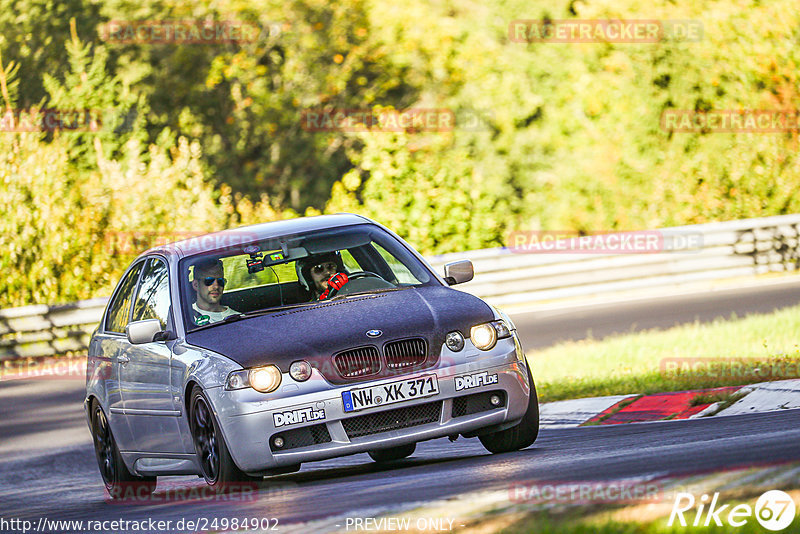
(65, 485)
(540, 329)
(48, 470)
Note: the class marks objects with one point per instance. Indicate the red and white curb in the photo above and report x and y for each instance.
(620, 409)
(575, 412)
(766, 397)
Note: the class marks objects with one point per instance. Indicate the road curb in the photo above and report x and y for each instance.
(676, 405)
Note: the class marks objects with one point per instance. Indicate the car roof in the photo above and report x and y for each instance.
(243, 234)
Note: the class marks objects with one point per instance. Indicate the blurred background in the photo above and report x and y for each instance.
(209, 135)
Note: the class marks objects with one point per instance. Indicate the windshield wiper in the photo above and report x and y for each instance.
(265, 311)
(370, 291)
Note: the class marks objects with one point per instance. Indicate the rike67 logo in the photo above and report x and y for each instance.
(774, 510)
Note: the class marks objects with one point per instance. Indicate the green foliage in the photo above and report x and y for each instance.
(570, 137)
(88, 86)
(574, 129)
(436, 207)
(76, 213)
(33, 33)
(244, 101)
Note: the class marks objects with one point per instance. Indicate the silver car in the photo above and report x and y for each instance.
(247, 352)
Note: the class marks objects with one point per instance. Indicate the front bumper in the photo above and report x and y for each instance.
(249, 426)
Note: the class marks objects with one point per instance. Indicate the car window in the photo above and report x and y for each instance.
(238, 277)
(350, 262)
(120, 308)
(152, 298)
(266, 274)
(400, 271)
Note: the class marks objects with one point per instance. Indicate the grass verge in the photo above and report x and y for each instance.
(545, 524)
(730, 352)
(634, 519)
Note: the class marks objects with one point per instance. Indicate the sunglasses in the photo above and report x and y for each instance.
(322, 267)
(209, 280)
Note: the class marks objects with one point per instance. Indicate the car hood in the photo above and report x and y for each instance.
(316, 332)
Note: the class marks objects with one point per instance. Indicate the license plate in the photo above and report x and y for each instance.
(398, 391)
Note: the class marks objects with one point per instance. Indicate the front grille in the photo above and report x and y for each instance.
(374, 423)
(301, 437)
(405, 353)
(354, 363)
(476, 403)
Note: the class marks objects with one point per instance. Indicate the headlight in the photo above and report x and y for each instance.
(485, 336)
(237, 380)
(506, 319)
(300, 370)
(501, 328)
(454, 341)
(263, 379)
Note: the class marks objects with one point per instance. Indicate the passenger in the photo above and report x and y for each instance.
(321, 274)
(209, 284)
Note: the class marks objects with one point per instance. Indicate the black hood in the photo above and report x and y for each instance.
(317, 332)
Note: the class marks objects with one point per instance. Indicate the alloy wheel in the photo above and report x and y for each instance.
(205, 439)
(104, 447)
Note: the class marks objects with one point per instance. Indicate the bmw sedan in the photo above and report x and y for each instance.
(247, 352)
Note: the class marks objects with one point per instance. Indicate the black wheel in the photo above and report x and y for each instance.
(120, 483)
(212, 453)
(395, 453)
(522, 434)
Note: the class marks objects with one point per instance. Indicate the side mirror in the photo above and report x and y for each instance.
(146, 331)
(458, 272)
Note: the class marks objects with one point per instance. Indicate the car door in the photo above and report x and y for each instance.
(147, 394)
(114, 350)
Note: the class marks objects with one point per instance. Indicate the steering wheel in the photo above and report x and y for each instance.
(354, 276)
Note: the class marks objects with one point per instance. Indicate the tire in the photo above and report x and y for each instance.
(394, 453)
(521, 435)
(119, 482)
(217, 466)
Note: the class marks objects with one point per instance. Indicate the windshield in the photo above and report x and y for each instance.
(295, 270)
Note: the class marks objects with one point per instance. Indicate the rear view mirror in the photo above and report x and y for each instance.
(146, 331)
(458, 272)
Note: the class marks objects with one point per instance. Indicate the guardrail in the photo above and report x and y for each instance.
(727, 250)
(40, 330)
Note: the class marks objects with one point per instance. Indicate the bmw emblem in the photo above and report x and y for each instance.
(374, 333)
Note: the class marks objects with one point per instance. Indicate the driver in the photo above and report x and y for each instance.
(209, 284)
(321, 274)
